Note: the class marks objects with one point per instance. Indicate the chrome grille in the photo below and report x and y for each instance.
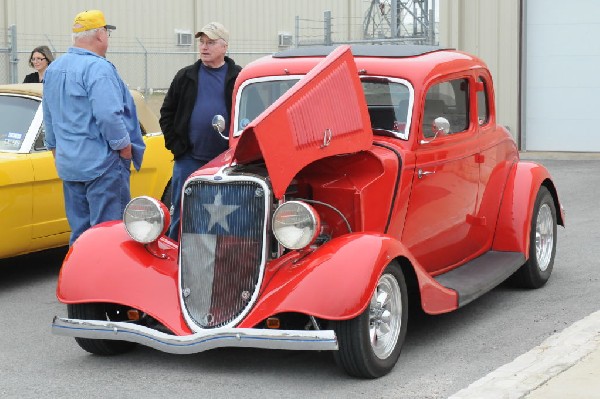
(222, 249)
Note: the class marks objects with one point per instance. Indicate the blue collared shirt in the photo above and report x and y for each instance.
(89, 115)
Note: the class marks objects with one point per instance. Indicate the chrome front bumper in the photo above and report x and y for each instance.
(198, 342)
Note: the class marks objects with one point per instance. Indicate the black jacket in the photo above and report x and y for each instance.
(32, 78)
(177, 107)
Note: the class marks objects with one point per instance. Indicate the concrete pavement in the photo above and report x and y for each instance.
(565, 365)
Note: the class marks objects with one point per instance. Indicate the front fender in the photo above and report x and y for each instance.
(516, 210)
(336, 281)
(106, 265)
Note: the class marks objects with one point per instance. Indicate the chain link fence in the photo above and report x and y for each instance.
(148, 64)
(4, 62)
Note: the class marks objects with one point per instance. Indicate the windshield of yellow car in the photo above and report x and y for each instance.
(16, 115)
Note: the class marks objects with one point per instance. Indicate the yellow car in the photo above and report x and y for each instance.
(32, 213)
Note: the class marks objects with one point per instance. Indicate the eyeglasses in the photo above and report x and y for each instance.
(38, 59)
(108, 31)
(208, 43)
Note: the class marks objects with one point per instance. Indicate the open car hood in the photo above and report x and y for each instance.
(324, 114)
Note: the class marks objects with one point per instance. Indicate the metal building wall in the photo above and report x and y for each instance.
(150, 26)
(490, 30)
(252, 23)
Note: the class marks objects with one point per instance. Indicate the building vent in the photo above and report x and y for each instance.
(285, 39)
(184, 38)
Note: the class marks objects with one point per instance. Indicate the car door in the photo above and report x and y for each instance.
(445, 184)
(48, 214)
(497, 156)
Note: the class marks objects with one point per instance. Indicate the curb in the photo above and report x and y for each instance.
(527, 372)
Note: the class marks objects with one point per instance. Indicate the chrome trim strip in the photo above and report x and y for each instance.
(198, 342)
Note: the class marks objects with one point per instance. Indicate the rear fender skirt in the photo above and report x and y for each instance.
(514, 220)
(336, 281)
(106, 265)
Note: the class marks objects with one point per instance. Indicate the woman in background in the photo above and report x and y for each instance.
(39, 60)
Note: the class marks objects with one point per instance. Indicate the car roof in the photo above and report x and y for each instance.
(417, 64)
(361, 50)
(147, 117)
(33, 89)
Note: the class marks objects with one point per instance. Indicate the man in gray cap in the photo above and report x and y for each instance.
(197, 93)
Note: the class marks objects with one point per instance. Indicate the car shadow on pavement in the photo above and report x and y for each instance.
(24, 269)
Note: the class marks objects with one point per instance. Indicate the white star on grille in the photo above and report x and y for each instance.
(218, 213)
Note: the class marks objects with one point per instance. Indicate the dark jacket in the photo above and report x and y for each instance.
(32, 78)
(179, 102)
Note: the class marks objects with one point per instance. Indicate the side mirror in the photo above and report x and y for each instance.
(218, 123)
(439, 125)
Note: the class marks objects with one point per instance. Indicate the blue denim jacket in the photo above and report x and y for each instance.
(89, 115)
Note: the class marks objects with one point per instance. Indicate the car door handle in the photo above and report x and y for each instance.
(422, 173)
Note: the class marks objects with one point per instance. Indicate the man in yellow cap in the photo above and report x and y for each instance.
(197, 93)
(91, 127)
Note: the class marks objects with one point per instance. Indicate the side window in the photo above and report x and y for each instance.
(449, 100)
(483, 111)
(39, 141)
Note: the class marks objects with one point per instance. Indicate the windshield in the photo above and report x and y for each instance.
(388, 100)
(257, 96)
(16, 115)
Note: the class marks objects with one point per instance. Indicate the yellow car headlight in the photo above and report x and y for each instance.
(296, 224)
(146, 219)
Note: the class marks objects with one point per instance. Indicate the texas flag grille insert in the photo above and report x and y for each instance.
(223, 225)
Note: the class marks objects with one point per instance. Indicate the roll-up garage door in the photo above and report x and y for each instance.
(561, 85)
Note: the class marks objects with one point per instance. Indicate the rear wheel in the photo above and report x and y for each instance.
(542, 243)
(370, 344)
(100, 311)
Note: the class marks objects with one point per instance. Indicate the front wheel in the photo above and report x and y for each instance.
(542, 243)
(100, 311)
(370, 344)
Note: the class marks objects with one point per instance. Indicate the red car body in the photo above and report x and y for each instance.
(405, 215)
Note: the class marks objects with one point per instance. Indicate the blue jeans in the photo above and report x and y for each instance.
(102, 199)
(183, 167)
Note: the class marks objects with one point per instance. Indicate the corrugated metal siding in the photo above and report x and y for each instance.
(151, 25)
(490, 30)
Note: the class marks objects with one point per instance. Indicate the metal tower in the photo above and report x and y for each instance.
(410, 21)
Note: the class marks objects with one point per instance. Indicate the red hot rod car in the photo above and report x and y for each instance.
(358, 181)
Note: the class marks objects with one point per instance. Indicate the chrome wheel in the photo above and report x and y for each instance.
(544, 237)
(385, 316)
(542, 243)
(370, 344)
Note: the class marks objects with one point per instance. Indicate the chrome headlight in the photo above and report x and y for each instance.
(296, 224)
(146, 219)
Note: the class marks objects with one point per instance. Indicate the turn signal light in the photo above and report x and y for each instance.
(133, 315)
(273, 322)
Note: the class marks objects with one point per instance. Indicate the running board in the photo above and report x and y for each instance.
(480, 275)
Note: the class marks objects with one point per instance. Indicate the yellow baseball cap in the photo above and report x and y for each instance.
(88, 20)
